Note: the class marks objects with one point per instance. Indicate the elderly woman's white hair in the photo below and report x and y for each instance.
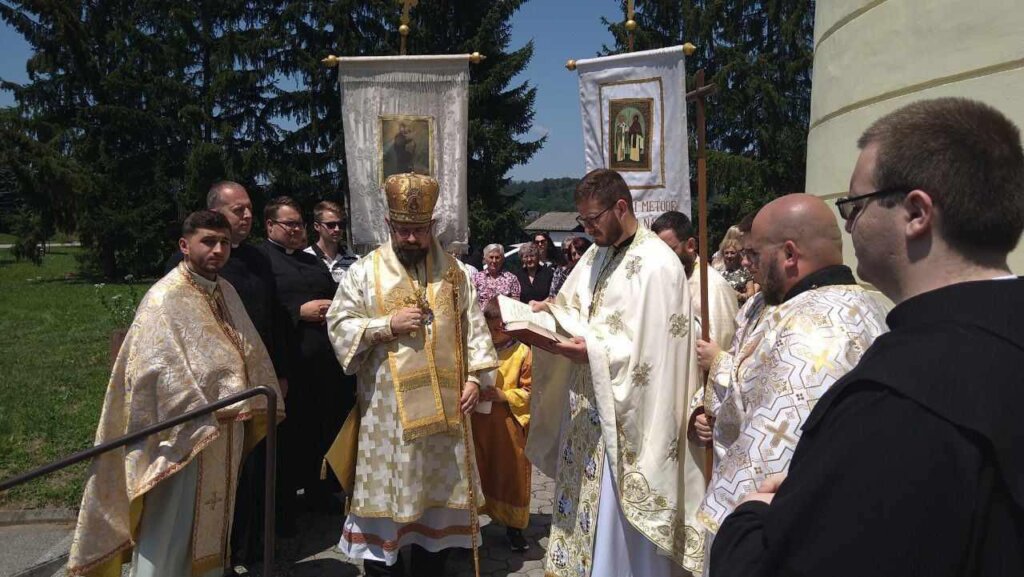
(494, 247)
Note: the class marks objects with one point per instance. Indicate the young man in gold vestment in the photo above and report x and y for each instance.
(165, 503)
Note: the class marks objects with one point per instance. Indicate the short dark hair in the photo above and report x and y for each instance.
(270, 211)
(206, 219)
(968, 157)
(327, 206)
(604, 185)
(492, 310)
(675, 221)
(213, 196)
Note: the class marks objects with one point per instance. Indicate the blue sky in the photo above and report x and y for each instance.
(560, 29)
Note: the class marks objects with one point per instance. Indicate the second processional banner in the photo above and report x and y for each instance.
(405, 114)
(634, 122)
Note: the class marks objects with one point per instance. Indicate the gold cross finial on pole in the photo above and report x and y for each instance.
(403, 29)
(630, 23)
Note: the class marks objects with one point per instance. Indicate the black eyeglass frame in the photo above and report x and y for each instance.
(590, 220)
(847, 208)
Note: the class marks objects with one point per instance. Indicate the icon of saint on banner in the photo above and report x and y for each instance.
(406, 145)
(631, 124)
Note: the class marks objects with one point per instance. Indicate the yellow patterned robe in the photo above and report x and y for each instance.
(407, 490)
(784, 358)
(181, 353)
(630, 404)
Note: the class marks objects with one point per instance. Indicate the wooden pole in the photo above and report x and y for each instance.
(702, 227)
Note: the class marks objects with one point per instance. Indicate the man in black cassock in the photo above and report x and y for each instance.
(249, 271)
(320, 396)
(912, 464)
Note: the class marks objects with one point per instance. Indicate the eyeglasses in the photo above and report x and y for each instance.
(333, 224)
(290, 224)
(410, 230)
(590, 220)
(849, 207)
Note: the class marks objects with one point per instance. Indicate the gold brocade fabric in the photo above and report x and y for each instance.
(782, 361)
(428, 371)
(178, 355)
(396, 478)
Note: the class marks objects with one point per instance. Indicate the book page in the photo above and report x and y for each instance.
(513, 310)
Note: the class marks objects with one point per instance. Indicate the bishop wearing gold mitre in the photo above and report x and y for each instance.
(164, 503)
(406, 321)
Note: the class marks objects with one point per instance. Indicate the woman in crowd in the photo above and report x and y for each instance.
(494, 280)
(550, 256)
(534, 279)
(735, 273)
(717, 259)
(574, 247)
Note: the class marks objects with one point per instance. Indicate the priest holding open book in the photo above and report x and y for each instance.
(611, 406)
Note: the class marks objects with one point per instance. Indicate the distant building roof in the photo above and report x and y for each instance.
(558, 221)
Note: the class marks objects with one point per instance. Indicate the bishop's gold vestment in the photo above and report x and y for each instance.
(411, 478)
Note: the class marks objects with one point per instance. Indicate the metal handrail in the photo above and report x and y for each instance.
(269, 475)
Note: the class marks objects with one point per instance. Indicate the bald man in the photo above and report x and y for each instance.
(814, 325)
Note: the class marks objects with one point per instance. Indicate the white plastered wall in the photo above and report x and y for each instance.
(874, 56)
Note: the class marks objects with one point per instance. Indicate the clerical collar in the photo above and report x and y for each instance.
(831, 275)
(208, 285)
(281, 246)
(980, 302)
(617, 248)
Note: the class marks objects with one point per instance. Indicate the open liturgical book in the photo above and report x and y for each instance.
(535, 329)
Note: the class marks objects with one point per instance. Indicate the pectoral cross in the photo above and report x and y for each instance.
(213, 501)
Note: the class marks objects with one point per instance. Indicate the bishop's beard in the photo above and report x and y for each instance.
(410, 256)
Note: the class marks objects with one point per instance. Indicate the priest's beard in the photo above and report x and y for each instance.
(772, 283)
(410, 255)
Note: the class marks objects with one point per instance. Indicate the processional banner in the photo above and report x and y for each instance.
(405, 114)
(634, 122)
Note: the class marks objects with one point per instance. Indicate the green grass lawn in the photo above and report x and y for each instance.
(7, 238)
(54, 365)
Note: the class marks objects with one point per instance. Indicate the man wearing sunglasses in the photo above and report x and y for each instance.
(329, 224)
(911, 464)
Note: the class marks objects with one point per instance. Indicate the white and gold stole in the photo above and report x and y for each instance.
(427, 367)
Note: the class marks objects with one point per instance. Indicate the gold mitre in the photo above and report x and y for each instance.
(411, 197)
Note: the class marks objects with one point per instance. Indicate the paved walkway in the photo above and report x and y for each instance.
(312, 553)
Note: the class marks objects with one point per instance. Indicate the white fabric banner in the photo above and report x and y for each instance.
(405, 114)
(634, 122)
